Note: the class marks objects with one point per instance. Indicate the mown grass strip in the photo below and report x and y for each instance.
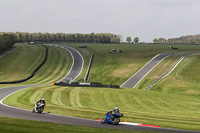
(11, 125)
(183, 80)
(34, 71)
(138, 106)
(56, 67)
(16, 65)
(173, 102)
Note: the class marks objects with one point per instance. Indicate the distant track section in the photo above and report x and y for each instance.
(139, 75)
(32, 74)
(77, 64)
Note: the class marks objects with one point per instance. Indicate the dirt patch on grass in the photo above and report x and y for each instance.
(84, 52)
(125, 71)
(190, 91)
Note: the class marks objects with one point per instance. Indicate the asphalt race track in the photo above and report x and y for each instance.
(7, 111)
(138, 76)
(77, 64)
(13, 112)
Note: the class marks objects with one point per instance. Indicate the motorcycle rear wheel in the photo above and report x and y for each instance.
(115, 121)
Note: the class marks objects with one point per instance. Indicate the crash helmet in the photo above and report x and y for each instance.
(43, 98)
(116, 108)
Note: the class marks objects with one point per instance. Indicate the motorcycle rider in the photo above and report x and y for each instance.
(42, 101)
(112, 117)
(114, 112)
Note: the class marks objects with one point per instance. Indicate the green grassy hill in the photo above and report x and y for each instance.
(22, 62)
(116, 68)
(173, 102)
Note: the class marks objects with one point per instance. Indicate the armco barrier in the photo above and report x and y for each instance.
(92, 84)
(89, 67)
(22, 80)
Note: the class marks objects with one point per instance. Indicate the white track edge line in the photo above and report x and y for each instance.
(71, 66)
(175, 66)
(139, 70)
(73, 62)
(1, 102)
(150, 71)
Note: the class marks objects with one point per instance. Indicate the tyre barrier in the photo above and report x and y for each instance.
(92, 84)
(89, 67)
(29, 77)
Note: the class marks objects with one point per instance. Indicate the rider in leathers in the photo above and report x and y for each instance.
(114, 112)
(39, 103)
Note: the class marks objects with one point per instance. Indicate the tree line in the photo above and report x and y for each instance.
(6, 41)
(135, 40)
(167, 41)
(22, 37)
(189, 39)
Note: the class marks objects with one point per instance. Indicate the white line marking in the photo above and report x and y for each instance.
(139, 70)
(149, 71)
(174, 66)
(129, 123)
(142, 68)
(164, 75)
(73, 62)
(1, 102)
(82, 64)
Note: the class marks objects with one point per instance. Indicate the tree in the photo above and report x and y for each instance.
(6, 41)
(136, 40)
(115, 40)
(162, 40)
(2, 42)
(155, 40)
(128, 39)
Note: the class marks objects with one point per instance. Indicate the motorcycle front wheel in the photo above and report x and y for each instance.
(103, 121)
(40, 110)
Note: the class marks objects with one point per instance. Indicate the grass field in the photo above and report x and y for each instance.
(183, 80)
(22, 62)
(158, 71)
(10, 125)
(57, 66)
(139, 106)
(116, 68)
(173, 102)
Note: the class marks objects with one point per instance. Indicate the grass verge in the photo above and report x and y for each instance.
(11, 125)
(138, 106)
(21, 63)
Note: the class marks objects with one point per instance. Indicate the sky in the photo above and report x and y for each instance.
(146, 19)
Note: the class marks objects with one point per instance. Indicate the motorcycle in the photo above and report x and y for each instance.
(38, 108)
(111, 118)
